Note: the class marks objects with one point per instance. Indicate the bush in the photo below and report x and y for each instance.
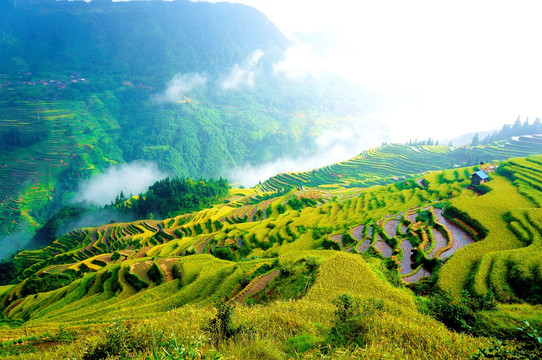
(220, 328)
(330, 244)
(116, 255)
(224, 253)
(190, 349)
(156, 274)
(135, 281)
(120, 339)
(45, 283)
(528, 347)
(455, 316)
(302, 343)
(353, 321)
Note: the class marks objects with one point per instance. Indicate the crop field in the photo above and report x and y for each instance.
(246, 249)
(55, 137)
(395, 162)
(510, 255)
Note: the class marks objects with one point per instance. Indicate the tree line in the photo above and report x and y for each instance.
(517, 129)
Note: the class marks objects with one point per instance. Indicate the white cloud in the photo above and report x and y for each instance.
(179, 86)
(300, 61)
(243, 74)
(131, 178)
(439, 68)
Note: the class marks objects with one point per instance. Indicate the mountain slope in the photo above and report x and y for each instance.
(103, 83)
(430, 222)
(310, 245)
(394, 162)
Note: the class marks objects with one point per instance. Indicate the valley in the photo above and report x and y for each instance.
(267, 224)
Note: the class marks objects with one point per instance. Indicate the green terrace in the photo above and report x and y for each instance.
(395, 162)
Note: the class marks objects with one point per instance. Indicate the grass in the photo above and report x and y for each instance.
(273, 325)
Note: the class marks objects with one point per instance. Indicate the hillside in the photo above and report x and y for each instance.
(394, 162)
(87, 86)
(295, 252)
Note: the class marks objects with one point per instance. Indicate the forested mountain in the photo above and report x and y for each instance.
(131, 39)
(189, 86)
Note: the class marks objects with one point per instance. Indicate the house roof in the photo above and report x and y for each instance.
(482, 174)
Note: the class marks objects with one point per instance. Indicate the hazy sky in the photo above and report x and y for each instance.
(438, 68)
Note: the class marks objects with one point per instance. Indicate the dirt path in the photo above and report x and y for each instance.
(256, 285)
(167, 268)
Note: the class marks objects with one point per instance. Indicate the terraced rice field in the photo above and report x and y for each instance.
(383, 248)
(390, 227)
(357, 232)
(406, 261)
(28, 174)
(220, 245)
(395, 162)
(461, 238)
(440, 242)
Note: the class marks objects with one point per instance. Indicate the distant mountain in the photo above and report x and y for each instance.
(131, 39)
(465, 139)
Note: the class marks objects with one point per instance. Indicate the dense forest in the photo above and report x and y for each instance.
(171, 197)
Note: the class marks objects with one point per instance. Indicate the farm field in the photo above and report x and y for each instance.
(395, 162)
(255, 248)
(67, 145)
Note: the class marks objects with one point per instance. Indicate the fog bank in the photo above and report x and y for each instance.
(131, 178)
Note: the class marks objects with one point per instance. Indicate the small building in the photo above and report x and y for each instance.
(479, 177)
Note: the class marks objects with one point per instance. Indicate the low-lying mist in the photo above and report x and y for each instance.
(10, 244)
(332, 146)
(92, 218)
(131, 178)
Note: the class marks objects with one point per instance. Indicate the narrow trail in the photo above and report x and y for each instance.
(257, 284)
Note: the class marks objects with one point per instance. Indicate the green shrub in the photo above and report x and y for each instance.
(528, 346)
(135, 281)
(330, 244)
(220, 327)
(302, 343)
(224, 253)
(456, 316)
(156, 274)
(115, 256)
(120, 339)
(46, 282)
(189, 349)
(353, 320)
(99, 262)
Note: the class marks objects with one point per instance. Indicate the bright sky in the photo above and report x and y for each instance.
(438, 68)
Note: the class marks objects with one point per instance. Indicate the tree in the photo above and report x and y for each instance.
(475, 140)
